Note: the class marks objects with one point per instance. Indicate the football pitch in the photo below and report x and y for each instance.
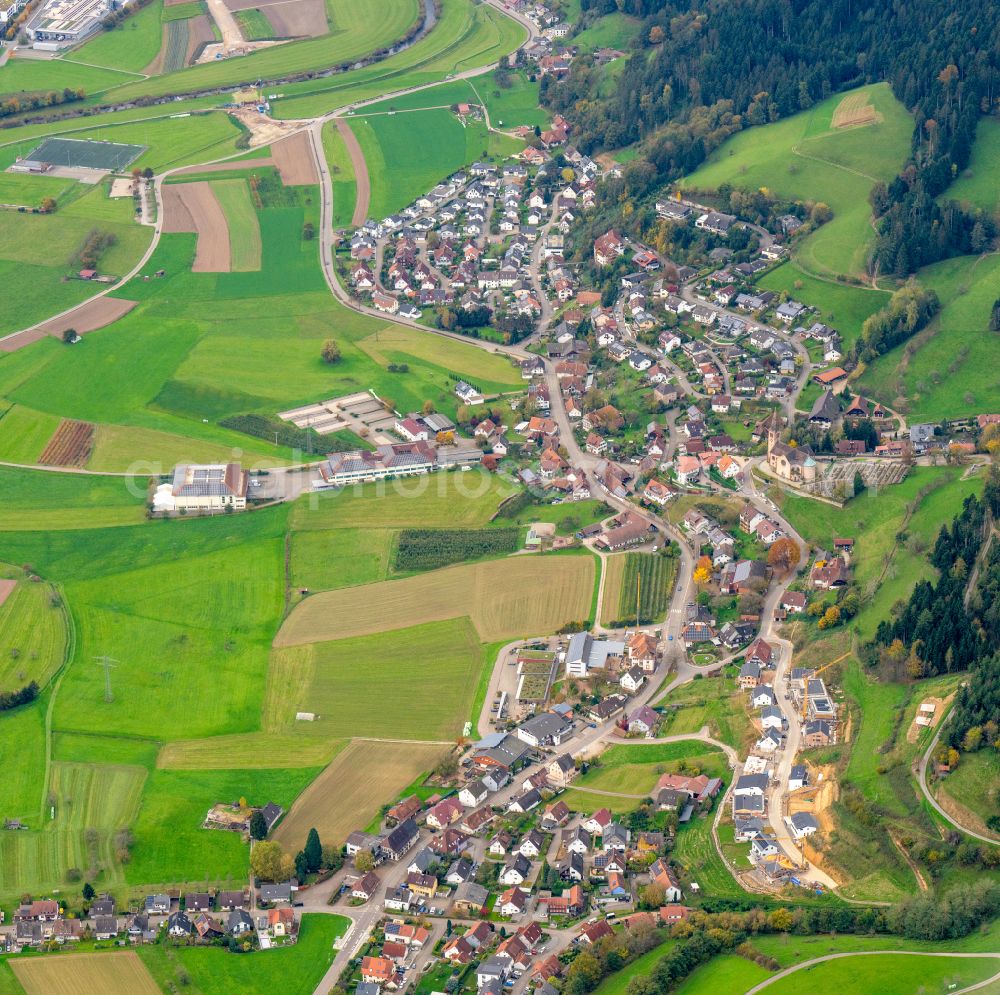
(79, 152)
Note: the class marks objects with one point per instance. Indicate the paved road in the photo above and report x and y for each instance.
(807, 964)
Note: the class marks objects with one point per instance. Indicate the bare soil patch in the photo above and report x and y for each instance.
(854, 111)
(361, 177)
(70, 445)
(86, 317)
(263, 130)
(6, 589)
(297, 18)
(818, 798)
(200, 34)
(295, 160)
(194, 207)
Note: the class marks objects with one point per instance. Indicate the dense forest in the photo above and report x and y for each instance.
(954, 623)
(704, 69)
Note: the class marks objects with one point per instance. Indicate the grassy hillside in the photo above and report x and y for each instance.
(806, 157)
(948, 369)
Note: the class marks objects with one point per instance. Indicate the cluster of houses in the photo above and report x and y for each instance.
(199, 917)
(468, 242)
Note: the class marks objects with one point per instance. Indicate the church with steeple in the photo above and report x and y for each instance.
(796, 464)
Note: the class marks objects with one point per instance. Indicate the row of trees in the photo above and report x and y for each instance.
(21, 102)
(23, 696)
(908, 310)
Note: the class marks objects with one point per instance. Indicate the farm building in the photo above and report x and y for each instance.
(204, 487)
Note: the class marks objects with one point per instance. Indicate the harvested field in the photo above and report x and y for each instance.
(295, 160)
(86, 317)
(361, 177)
(6, 589)
(70, 446)
(193, 207)
(855, 110)
(199, 34)
(349, 793)
(505, 599)
(85, 974)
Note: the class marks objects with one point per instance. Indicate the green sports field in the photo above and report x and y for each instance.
(805, 157)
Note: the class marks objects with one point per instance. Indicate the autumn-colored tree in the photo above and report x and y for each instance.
(655, 34)
(783, 554)
(703, 570)
(331, 352)
(270, 863)
(781, 920)
(830, 617)
(428, 407)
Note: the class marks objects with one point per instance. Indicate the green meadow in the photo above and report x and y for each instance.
(838, 305)
(345, 186)
(39, 253)
(407, 153)
(805, 157)
(977, 185)
(130, 47)
(885, 568)
(948, 369)
(204, 970)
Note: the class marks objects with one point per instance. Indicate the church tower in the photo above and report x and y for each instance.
(773, 432)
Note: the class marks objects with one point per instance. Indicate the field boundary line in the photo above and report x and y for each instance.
(68, 654)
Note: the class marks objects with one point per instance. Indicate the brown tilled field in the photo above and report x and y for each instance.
(86, 317)
(6, 589)
(200, 34)
(70, 445)
(295, 160)
(854, 110)
(194, 207)
(289, 18)
(349, 793)
(84, 974)
(517, 596)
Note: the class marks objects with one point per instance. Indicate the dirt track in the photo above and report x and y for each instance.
(364, 194)
(295, 161)
(193, 207)
(6, 589)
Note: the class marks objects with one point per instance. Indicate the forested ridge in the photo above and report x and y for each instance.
(701, 70)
